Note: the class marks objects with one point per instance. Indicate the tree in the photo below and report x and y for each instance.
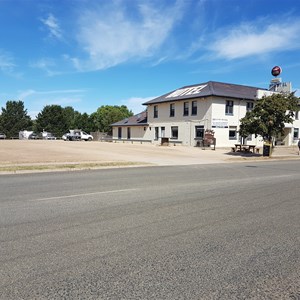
(52, 119)
(77, 120)
(83, 121)
(70, 116)
(107, 115)
(14, 118)
(269, 116)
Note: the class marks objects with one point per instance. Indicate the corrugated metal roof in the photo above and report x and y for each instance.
(210, 88)
(136, 120)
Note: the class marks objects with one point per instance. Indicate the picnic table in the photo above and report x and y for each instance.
(244, 148)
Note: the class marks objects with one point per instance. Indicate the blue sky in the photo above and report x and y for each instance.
(86, 53)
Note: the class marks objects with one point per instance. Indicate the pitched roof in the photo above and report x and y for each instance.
(210, 88)
(136, 120)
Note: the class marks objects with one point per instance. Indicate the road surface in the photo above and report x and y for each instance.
(222, 231)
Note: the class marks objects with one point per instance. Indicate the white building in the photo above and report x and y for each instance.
(182, 116)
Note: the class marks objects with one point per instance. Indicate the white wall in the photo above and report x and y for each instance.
(210, 112)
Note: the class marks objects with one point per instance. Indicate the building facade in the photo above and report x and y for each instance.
(184, 115)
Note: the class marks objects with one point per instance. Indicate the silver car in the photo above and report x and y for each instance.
(2, 136)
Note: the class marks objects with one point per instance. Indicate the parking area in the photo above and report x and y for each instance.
(26, 152)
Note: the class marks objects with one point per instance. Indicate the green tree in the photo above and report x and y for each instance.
(93, 122)
(52, 119)
(70, 116)
(14, 118)
(83, 121)
(269, 116)
(108, 114)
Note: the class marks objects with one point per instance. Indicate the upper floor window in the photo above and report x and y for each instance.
(229, 107)
(172, 110)
(155, 111)
(194, 108)
(297, 115)
(250, 106)
(185, 108)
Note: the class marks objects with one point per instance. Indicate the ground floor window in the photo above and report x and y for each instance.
(162, 131)
(232, 132)
(174, 132)
(119, 132)
(156, 133)
(128, 133)
(199, 132)
(296, 133)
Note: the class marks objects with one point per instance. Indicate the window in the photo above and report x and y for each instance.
(156, 133)
(174, 132)
(296, 133)
(199, 132)
(155, 111)
(162, 131)
(185, 108)
(229, 108)
(194, 108)
(297, 115)
(128, 133)
(172, 110)
(232, 133)
(250, 106)
(119, 133)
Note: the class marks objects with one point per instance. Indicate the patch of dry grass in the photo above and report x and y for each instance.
(70, 166)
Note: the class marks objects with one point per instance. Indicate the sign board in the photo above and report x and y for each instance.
(209, 137)
(219, 123)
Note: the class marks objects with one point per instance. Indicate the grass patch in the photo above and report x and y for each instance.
(71, 166)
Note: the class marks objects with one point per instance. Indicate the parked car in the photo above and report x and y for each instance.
(77, 135)
(33, 136)
(48, 136)
(2, 136)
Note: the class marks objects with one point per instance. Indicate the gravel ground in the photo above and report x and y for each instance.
(47, 152)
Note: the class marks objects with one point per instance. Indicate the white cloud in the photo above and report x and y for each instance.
(26, 94)
(39, 99)
(52, 25)
(45, 64)
(6, 62)
(135, 103)
(30, 92)
(110, 35)
(256, 39)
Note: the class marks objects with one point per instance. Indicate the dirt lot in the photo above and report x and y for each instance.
(56, 153)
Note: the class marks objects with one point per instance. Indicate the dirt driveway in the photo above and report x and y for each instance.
(48, 151)
(55, 153)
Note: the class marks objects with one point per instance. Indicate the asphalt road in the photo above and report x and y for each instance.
(226, 231)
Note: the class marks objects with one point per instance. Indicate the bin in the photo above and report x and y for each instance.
(267, 149)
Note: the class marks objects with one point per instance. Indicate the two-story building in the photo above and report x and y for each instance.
(182, 116)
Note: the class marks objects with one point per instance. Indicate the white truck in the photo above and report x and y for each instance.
(77, 135)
